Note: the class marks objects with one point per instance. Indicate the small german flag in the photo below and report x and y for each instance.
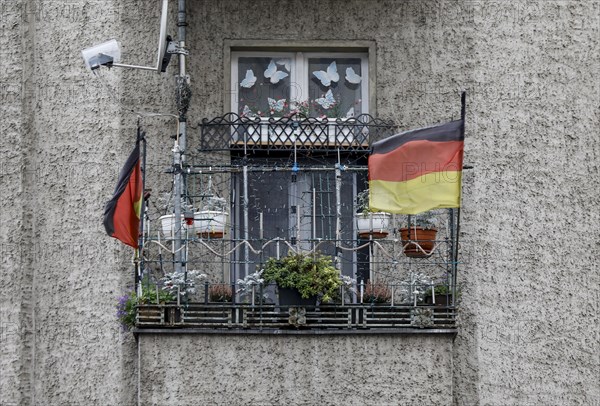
(417, 170)
(122, 212)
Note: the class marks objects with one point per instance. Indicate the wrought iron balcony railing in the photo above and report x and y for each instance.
(393, 308)
(350, 317)
(232, 132)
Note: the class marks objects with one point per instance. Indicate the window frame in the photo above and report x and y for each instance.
(365, 48)
(299, 73)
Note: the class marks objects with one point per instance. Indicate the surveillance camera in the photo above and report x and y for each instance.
(104, 54)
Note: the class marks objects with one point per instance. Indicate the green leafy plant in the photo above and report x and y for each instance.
(442, 290)
(426, 220)
(362, 201)
(376, 293)
(310, 274)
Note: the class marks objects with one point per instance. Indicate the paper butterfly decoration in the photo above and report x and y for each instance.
(274, 74)
(249, 80)
(285, 63)
(276, 105)
(352, 77)
(326, 102)
(327, 77)
(247, 112)
(350, 113)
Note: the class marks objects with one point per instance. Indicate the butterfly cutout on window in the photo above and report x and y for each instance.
(285, 63)
(273, 74)
(249, 80)
(326, 102)
(276, 105)
(326, 77)
(350, 113)
(352, 77)
(247, 112)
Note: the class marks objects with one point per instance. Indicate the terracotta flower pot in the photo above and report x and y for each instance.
(425, 238)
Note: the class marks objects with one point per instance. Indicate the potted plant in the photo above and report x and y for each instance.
(211, 221)
(414, 287)
(418, 239)
(220, 293)
(179, 285)
(376, 293)
(302, 278)
(443, 295)
(127, 305)
(250, 287)
(370, 224)
(168, 225)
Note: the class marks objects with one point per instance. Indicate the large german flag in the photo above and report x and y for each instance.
(417, 170)
(122, 212)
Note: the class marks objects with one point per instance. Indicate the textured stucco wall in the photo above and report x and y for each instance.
(530, 331)
(295, 370)
(529, 317)
(15, 269)
(61, 151)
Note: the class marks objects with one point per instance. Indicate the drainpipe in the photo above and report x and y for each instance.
(183, 96)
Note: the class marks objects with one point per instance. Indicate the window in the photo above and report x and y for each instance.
(297, 207)
(318, 84)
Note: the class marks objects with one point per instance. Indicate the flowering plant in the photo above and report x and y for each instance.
(126, 310)
(127, 304)
(376, 292)
(220, 293)
(300, 107)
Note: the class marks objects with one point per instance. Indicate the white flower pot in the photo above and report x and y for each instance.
(208, 223)
(168, 225)
(375, 224)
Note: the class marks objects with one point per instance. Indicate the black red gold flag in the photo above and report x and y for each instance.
(417, 170)
(122, 212)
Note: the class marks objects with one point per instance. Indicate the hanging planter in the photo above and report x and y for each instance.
(373, 224)
(418, 240)
(168, 226)
(425, 238)
(210, 223)
(369, 224)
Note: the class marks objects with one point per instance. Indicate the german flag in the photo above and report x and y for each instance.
(417, 170)
(122, 212)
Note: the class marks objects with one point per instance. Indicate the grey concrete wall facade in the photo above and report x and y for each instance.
(295, 370)
(529, 331)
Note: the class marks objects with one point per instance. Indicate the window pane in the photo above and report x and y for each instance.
(261, 79)
(283, 202)
(341, 98)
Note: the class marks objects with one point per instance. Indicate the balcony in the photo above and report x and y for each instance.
(317, 165)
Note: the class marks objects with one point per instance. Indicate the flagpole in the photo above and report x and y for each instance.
(463, 111)
(141, 137)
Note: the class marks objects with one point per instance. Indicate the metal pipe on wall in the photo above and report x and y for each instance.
(180, 143)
